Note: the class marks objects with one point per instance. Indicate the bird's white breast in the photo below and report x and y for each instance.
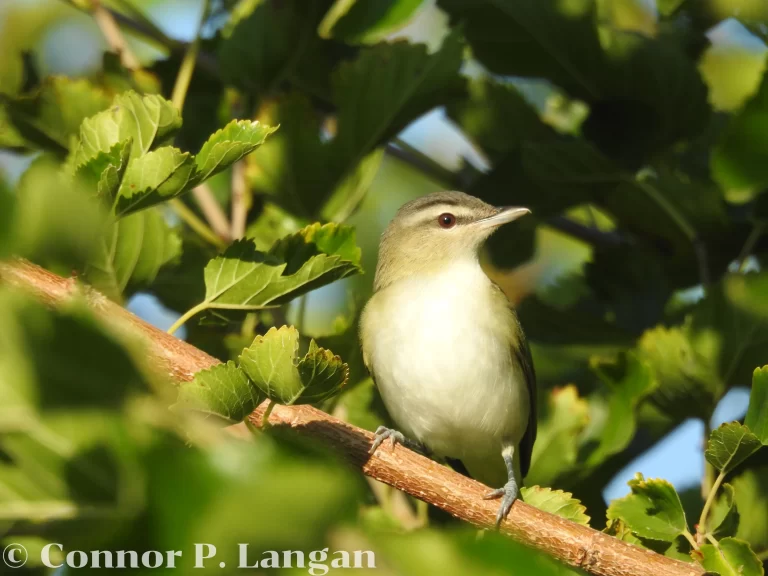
(439, 347)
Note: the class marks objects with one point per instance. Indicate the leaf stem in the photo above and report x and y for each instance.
(186, 316)
(190, 219)
(702, 529)
(265, 418)
(754, 236)
(688, 536)
(184, 76)
(762, 556)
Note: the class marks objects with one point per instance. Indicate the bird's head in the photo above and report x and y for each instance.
(435, 231)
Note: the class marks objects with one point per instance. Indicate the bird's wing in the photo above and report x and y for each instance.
(523, 354)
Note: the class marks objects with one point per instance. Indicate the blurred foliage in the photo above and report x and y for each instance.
(636, 129)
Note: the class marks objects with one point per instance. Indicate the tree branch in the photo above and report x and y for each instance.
(571, 543)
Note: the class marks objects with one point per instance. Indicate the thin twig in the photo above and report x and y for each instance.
(200, 227)
(702, 528)
(111, 31)
(187, 68)
(571, 543)
(212, 211)
(240, 200)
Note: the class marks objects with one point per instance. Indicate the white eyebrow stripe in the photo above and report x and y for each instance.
(432, 212)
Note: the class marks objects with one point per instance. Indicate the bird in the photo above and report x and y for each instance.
(444, 345)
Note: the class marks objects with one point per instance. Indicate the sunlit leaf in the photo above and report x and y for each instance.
(653, 509)
(148, 121)
(272, 362)
(153, 178)
(729, 445)
(223, 391)
(556, 502)
(228, 145)
(133, 251)
(356, 21)
(104, 172)
(731, 557)
(243, 278)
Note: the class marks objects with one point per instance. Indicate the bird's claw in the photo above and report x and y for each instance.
(382, 433)
(508, 495)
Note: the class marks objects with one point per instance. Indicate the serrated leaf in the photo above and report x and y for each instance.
(153, 178)
(52, 114)
(104, 172)
(228, 145)
(757, 413)
(132, 253)
(243, 278)
(729, 445)
(556, 502)
(723, 520)
(731, 557)
(223, 391)
(653, 509)
(273, 364)
(148, 121)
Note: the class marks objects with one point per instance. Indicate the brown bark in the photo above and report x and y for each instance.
(567, 541)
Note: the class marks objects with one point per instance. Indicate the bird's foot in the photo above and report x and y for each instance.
(508, 495)
(382, 433)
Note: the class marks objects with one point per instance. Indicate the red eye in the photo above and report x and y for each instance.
(446, 220)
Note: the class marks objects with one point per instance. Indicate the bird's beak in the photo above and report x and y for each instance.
(505, 215)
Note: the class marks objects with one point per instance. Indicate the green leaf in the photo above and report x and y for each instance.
(148, 121)
(272, 362)
(228, 145)
(687, 377)
(746, 291)
(724, 518)
(51, 115)
(153, 178)
(565, 417)
(729, 445)
(611, 70)
(731, 557)
(377, 95)
(104, 172)
(243, 278)
(132, 253)
(223, 391)
(366, 22)
(757, 414)
(750, 494)
(653, 509)
(556, 502)
(265, 40)
(629, 380)
(737, 162)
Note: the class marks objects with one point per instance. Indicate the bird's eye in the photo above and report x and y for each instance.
(446, 220)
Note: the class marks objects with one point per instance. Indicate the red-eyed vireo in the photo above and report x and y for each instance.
(444, 345)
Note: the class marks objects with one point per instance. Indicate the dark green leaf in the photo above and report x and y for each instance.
(653, 509)
(272, 362)
(223, 391)
(729, 445)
